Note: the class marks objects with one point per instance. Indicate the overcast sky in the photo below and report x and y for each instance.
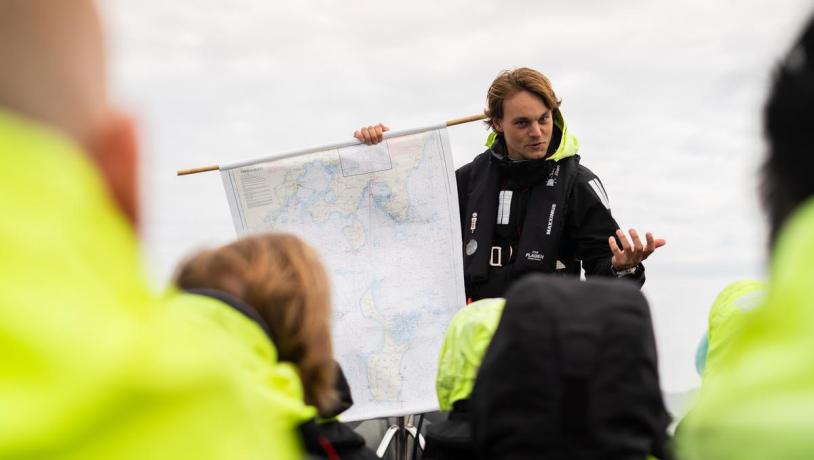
(665, 98)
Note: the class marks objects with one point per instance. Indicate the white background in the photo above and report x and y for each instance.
(665, 98)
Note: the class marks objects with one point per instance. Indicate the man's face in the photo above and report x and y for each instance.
(526, 125)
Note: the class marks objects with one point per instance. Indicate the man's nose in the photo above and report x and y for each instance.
(536, 130)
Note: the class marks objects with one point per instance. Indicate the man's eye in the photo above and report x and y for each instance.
(521, 123)
(544, 118)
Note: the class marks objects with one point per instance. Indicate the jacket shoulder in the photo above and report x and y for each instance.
(475, 163)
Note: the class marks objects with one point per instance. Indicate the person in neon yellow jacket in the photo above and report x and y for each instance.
(271, 306)
(465, 343)
(726, 317)
(93, 364)
(759, 403)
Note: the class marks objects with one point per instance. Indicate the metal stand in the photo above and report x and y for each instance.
(399, 433)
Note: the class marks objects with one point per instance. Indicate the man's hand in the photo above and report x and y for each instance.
(631, 255)
(371, 134)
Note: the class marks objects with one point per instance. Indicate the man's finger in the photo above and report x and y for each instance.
(625, 243)
(614, 247)
(660, 242)
(651, 243)
(369, 135)
(637, 243)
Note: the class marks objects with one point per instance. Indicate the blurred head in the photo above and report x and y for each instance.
(789, 124)
(520, 105)
(51, 53)
(283, 280)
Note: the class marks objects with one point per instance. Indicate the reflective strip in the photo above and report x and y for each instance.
(504, 207)
(600, 192)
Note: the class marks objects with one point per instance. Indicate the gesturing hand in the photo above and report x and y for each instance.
(631, 255)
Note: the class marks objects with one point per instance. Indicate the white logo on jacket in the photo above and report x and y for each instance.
(535, 256)
(551, 219)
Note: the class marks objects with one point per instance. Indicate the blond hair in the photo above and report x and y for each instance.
(283, 280)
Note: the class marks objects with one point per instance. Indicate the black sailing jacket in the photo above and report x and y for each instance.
(565, 218)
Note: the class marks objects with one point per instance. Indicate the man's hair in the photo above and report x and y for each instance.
(511, 82)
(789, 124)
(283, 280)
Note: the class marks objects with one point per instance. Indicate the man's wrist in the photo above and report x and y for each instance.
(626, 271)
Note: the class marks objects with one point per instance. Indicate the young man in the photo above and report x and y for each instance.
(527, 205)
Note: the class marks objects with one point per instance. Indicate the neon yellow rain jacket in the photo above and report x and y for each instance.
(760, 405)
(92, 366)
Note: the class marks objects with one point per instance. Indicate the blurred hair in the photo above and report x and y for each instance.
(789, 123)
(283, 280)
(511, 82)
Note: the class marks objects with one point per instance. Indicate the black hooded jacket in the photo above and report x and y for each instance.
(571, 373)
(559, 220)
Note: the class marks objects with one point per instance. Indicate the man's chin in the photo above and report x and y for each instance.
(534, 155)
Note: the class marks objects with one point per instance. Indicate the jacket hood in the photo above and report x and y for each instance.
(726, 318)
(567, 144)
(465, 342)
(571, 372)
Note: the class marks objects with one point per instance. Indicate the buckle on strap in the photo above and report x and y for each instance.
(496, 257)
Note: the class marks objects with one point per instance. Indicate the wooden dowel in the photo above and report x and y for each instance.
(456, 121)
(184, 172)
(471, 118)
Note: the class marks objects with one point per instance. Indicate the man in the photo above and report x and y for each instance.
(757, 403)
(92, 366)
(526, 204)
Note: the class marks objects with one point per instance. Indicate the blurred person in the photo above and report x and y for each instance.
(465, 342)
(527, 204)
(93, 364)
(270, 303)
(758, 405)
(571, 372)
(726, 317)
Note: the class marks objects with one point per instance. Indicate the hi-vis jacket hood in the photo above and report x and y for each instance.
(567, 144)
(272, 384)
(466, 340)
(726, 318)
(758, 406)
(93, 367)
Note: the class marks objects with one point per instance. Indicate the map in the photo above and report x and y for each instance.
(385, 221)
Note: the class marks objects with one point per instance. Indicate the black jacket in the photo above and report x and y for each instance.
(571, 373)
(451, 439)
(565, 221)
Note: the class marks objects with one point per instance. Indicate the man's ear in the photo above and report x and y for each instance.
(114, 148)
(497, 125)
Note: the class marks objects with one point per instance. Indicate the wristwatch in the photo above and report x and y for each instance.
(628, 271)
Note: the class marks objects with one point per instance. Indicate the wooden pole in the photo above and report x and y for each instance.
(456, 121)
(185, 172)
(469, 119)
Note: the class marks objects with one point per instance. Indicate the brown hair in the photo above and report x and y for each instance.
(510, 82)
(283, 280)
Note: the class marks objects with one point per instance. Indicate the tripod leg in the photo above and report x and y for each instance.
(386, 440)
(413, 431)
